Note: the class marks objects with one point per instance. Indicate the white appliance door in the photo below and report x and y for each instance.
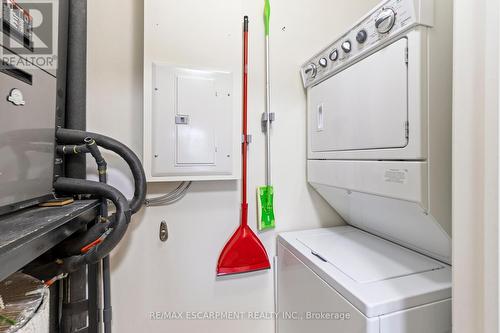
(366, 258)
(307, 304)
(364, 106)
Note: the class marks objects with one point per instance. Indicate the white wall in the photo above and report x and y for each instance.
(475, 166)
(179, 275)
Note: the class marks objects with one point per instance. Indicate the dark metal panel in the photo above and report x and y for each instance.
(26, 134)
(29, 233)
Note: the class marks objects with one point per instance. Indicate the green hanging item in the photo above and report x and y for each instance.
(265, 194)
(266, 208)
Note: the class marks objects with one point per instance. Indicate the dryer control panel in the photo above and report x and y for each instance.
(384, 23)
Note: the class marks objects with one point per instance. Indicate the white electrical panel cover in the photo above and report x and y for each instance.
(191, 130)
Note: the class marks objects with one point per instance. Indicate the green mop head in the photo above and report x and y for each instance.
(265, 196)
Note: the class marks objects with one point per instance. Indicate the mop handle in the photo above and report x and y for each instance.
(267, 18)
(244, 203)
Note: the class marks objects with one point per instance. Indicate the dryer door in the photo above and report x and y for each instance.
(364, 106)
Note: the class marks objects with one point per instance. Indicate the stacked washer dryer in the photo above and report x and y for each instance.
(379, 151)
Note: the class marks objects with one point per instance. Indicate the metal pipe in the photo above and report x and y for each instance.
(107, 313)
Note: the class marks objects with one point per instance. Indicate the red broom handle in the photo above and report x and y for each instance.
(245, 109)
(244, 146)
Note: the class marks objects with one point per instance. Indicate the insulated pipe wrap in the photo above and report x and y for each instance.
(79, 186)
(68, 136)
(74, 244)
(76, 80)
(119, 222)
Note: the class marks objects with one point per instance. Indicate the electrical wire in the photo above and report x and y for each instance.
(171, 197)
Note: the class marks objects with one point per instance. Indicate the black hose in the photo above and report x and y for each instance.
(81, 186)
(72, 149)
(92, 141)
(119, 222)
(100, 161)
(69, 136)
(107, 311)
(73, 245)
(106, 265)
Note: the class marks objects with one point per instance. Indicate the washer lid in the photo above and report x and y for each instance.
(366, 258)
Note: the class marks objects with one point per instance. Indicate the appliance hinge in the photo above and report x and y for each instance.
(406, 55)
(407, 130)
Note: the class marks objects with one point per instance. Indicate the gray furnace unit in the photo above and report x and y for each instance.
(27, 105)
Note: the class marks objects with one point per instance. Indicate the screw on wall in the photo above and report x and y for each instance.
(163, 231)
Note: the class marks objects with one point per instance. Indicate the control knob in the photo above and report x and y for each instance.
(361, 36)
(311, 70)
(323, 62)
(346, 46)
(385, 20)
(334, 55)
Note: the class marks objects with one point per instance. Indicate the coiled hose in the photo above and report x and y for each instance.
(77, 137)
(87, 142)
(118, 222)
(105, 224)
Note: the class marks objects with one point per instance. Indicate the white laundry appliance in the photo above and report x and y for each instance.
(379, 151)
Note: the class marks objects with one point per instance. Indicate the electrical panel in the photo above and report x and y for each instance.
(191, 126)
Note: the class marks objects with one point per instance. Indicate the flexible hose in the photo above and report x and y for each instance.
(100, 161)
(72, 149)
(73, 245)
(93, 149)
(119, 221)
(75, 137)
(106, 266)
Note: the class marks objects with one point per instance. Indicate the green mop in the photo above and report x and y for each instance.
(265, 194)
